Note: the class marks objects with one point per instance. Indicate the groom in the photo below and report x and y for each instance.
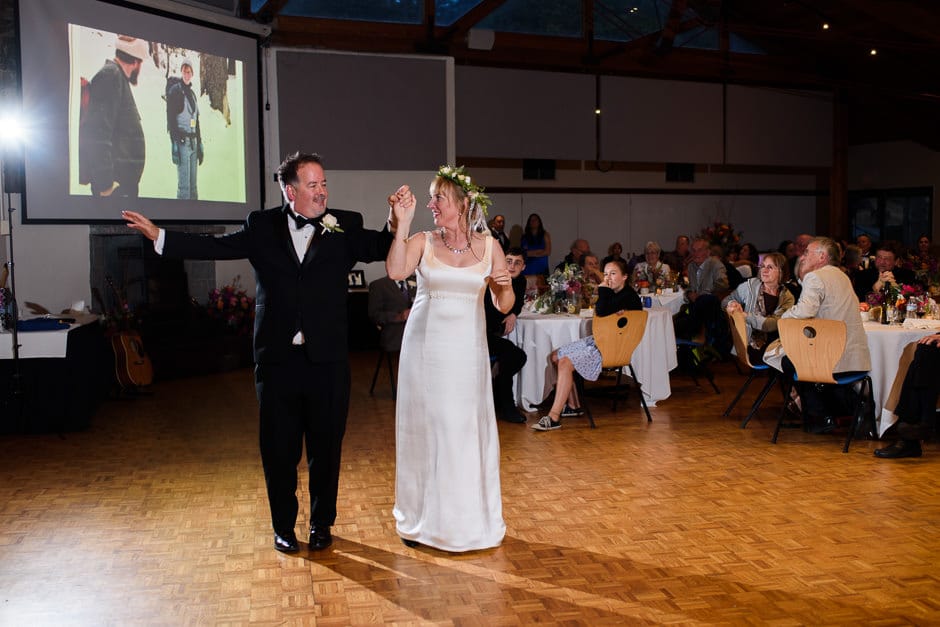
(301, 255)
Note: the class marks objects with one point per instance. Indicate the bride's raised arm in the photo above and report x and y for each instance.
(405, 252)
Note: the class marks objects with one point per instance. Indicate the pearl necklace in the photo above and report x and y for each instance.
(456, 251)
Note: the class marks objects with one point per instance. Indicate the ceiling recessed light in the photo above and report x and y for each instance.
(873, 52)
(825, 26)
(597, 111)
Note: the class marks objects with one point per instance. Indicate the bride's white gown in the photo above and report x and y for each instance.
(447, 492)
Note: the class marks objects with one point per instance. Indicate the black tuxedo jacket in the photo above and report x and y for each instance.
(293, 294)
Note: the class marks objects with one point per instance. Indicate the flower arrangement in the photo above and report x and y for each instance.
(459, 177)
(564, 293)
(232, 305)
(897, 295)
(926, 270)
(721, 234)
(567, 279)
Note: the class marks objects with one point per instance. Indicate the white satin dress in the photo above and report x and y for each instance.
(447, 490)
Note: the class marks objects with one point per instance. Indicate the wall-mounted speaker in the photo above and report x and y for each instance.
(538, 169)
(680, 172)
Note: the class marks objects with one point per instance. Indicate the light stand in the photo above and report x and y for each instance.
(15, 397)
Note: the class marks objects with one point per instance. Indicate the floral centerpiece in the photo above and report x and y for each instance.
(721, 234)
(233, 306)
(899, 296)
(564, 293)
(927, 271)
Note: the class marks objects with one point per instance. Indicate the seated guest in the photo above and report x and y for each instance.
(800, 243)
(389, 306)
(747, 260)
(866, 253)
(851, 258)
(827, 294)
(578, 248)
(734, 277)
(614, 252)
(885, 270)
(787, 248)
(917, 405)
(652, 269)
(708, 283)
(582, 355)
(922, 262)
(763, 300)
(591, 268)
(509, 358)
(676, 259)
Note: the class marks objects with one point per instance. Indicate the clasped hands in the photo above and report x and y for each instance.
(401, 207)
(884, 277)
(733, 306)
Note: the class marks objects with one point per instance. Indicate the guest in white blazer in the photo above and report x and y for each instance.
(827, 293)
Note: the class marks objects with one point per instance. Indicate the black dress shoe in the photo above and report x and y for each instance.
(901, 448)
(320, 537)
(409, 543)
(286, 543)
(822, 425)
(511, 414)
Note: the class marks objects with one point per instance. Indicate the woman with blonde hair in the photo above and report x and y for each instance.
(447, 490)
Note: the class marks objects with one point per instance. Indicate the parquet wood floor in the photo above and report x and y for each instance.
(157, 516)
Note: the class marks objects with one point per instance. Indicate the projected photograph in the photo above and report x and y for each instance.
(148, 119)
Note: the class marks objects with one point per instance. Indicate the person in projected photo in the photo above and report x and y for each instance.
(301, 254)
(182, 118)
(111, 146)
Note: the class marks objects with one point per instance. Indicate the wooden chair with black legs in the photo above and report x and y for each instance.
(738, 323)
(386, 356)
(617, 337)
(815, 346)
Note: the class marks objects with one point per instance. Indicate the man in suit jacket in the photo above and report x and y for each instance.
(884, 270)
(389, 306)
(301, 254)
(498, 229)
(509, 358)
(827, 293)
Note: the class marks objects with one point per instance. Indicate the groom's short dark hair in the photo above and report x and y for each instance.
(287, 171)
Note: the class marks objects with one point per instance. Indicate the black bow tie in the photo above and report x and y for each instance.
(301, 221)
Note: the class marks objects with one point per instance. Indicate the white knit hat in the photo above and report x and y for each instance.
(132, 46)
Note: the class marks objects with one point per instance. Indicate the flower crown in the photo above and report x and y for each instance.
(459, 177)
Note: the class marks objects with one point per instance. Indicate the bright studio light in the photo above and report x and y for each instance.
(11, 130)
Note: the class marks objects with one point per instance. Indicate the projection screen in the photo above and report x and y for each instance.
(86, 159)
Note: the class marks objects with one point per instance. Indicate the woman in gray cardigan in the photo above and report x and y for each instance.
(763, 300)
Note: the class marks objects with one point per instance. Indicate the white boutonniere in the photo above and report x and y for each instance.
(330, 224)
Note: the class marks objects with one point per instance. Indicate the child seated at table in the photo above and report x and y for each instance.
(614, 295)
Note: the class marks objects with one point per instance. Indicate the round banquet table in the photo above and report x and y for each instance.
(539, 334)
(886, 344)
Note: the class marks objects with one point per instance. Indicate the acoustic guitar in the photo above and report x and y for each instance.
(131, 363)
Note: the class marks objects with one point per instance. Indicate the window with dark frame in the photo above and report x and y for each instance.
(892, 214)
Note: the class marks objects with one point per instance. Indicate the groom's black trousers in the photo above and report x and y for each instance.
(302, 403)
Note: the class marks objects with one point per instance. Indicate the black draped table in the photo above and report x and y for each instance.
(64, 375)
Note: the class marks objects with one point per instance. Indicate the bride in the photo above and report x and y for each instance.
(447, 490)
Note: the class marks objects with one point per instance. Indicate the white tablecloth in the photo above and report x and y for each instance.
(672, 302)
(886, 343)
(41, 344)
(35, 344)
(539, 334)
